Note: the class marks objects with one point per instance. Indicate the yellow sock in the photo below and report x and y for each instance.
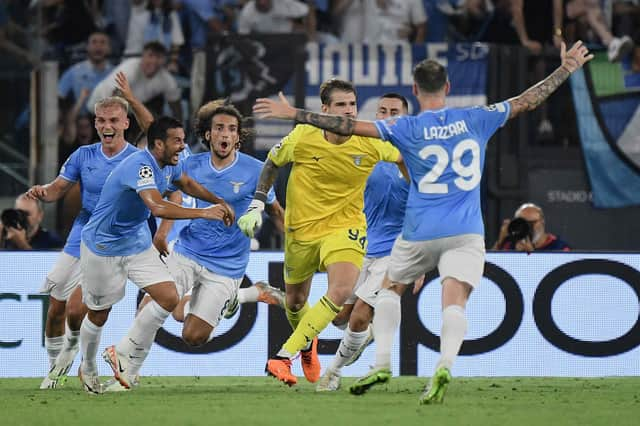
(311, 325)
(295, 317)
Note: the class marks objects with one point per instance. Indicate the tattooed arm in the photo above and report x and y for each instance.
(572, 60)
(338, 124)
(265, 182)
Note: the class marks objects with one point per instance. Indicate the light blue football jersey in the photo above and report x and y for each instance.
(385, 197)
(444, 151)
(219, 248)
(90, 167)
(118, 225)
(187, 201)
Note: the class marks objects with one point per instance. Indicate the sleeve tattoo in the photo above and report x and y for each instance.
(333, 123)
(531, 98)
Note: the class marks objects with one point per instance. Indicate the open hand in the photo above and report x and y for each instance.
(123, 85)
(268, 108)
(574, 58)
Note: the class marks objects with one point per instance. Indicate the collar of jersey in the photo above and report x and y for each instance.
(153, 159)
(115, 156)
(226, 168)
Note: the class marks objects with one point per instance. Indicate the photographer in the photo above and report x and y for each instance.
(526, 232)
(20, 227)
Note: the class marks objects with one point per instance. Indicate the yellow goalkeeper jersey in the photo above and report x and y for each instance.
(325, 191)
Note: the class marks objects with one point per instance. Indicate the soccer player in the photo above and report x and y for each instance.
(325, 228)
(89, 165)
(208, 258)
(444, 151)
(385, 196)
(116, 242)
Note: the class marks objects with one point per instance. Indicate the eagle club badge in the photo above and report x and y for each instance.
(236, 186)
(357, 159)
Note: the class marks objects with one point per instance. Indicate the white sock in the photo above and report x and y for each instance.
(137, 342)
(53, 346)
(454, 327)
(385, 324)
(248, 295)
(89, 342)
(71, 339)
(349, 345)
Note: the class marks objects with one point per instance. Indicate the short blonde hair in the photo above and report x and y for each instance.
(112, 101)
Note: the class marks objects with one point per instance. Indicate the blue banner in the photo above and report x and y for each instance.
(379, 69)
(607, 103)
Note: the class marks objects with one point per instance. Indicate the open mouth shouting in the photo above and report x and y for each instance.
(108, 135)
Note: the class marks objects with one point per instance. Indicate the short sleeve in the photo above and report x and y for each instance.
(70, 170)
(392, 129)
(65, 84)
(486, 120)
(141, 177)
(283, 152)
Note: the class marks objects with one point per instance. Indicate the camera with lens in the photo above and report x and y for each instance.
(519, 229)
(14, 218)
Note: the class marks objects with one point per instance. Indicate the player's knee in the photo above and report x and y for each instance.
(75, 314)
(56, 310)
(194, 337)
(169, 301)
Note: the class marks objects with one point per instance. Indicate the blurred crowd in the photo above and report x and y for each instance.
(159, 44)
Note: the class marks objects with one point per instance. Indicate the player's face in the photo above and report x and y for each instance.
(342, 103)
(224, 135)
(173, 146)
(151, 63)
(389, 107)
(111, 122)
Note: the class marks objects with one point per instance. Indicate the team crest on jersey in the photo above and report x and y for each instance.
(236, 186)
(357, 159)
(145, 173)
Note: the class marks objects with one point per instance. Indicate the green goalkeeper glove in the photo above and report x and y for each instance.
(252, 219)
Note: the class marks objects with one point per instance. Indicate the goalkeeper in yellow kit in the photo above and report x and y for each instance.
(325, 228)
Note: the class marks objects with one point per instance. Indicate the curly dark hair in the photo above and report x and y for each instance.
(204, 119)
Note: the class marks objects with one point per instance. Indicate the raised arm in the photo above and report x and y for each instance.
(143, 115)
(346, 126)
(50, 192)
(572, 60)
(193, 188)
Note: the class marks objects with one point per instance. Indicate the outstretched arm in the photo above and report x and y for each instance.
(50, 192)
(572, 60)
(167, 210)
(341, 125)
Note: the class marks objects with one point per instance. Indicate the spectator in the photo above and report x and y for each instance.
(158, 21)
(272, 17)
(350, 19)
(87, 74)
(526, 232)
(116, 22)
(21, 227)
(392, 21)
(626, 17)
(204, 17)
(8, 42)
(589, 13)
(148, 78)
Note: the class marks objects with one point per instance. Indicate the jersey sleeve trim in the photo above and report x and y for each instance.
(507, 106)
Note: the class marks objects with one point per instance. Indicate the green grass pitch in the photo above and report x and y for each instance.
(263, 401)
